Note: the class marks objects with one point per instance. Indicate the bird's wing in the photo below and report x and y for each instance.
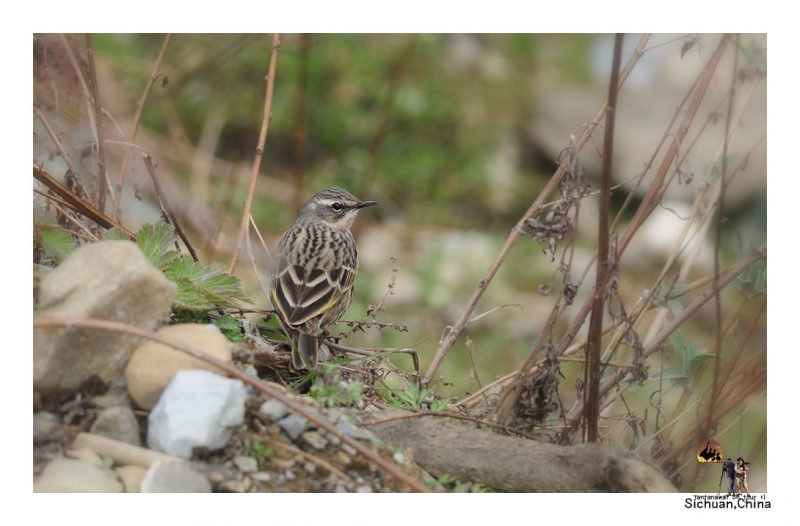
(301, 294)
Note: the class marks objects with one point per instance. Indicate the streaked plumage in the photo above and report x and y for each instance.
(315, 270)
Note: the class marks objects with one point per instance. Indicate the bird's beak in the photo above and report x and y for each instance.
(364, 204)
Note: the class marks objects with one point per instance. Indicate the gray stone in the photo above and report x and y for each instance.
(115, 396)
(315, 440)
(347, 427)
(261, 476)
(197, 409)
(66, 475)
(43, 424)
(350, 450)
(290, 475)
(274, 409)
(364, 489)
(174, 477)
(107, 280)
(245, 464)
(310, 468)
(293, 425)
(340, 489)
(118, 423)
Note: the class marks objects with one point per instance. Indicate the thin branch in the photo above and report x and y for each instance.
(262, 139)
(604, 269)
(264, 387)
(516, 232)
(136, 119)
(165, 208)
(101, 149)
(78, 204)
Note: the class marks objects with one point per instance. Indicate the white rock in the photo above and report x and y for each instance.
(197, 409)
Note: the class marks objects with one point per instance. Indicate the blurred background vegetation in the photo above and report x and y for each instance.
(454, 136)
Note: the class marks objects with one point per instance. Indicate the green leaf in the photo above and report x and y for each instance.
(683, 352)
(696, 360)
(155, 241)
(56, 244)
(753, 282)
(116, 234)
(672, 374)
(203, 288)
(231, 327)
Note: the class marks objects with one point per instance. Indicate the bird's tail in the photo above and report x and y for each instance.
(308, 349)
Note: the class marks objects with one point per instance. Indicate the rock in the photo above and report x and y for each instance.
(348, 428)
(289, 474)
(274, 409)
(66, 475)
(173, 477)
(293, 425)
(153, 365)
(245, 464)
(315, 440)
(261, 476)
(131, 477)
(197, 409)
(310, 468)
(84, 454)
(364, 489)
(44, 423)
(118, 423)
(107, 280)
(115, 396)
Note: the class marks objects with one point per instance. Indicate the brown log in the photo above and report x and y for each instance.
(514, 464)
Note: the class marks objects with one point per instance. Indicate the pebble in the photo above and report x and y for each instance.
(118, 423)
(245, 464)
(274, 409)
(340, 489)
(44, 423)
(347, 427)
(350, 450)
(261, 476)
(290, 475)
(293, 425)
(173, 477)
(315, 440)
(364, 489)
(310, 467)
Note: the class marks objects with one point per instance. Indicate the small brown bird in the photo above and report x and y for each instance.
(315, 271)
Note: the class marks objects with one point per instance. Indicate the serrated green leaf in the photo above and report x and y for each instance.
(116, 234)
(203, 288)
(231, 327)
(156, 242)
(55, 243)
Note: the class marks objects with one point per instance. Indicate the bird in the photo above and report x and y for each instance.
(314, 274)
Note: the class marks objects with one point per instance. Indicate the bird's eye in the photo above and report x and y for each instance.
(337, 207)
